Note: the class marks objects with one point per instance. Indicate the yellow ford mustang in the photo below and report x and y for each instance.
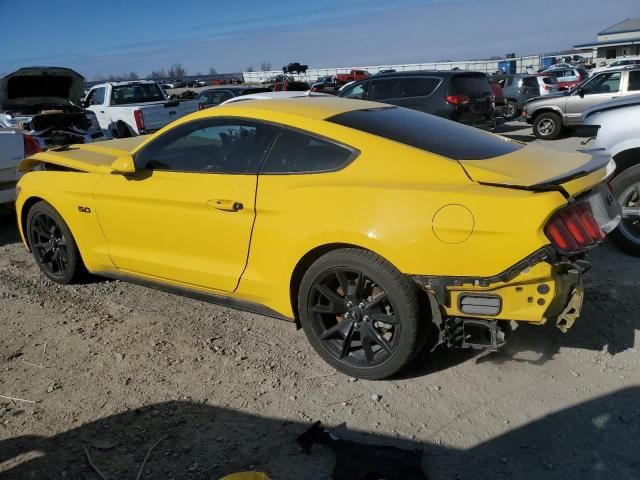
(378, 228)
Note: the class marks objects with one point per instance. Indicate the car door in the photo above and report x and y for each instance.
(600, 88)
(95, 103)
(186, 214)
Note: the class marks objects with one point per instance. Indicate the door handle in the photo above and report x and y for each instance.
(226, 205)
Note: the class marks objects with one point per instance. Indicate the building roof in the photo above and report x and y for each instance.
(607, 43)
(625, 26)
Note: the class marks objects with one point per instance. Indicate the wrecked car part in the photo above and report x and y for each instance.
(475, 333)
(361, 461)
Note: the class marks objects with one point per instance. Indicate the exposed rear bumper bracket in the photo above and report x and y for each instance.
(475, 333)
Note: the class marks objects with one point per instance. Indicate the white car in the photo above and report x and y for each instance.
(617, 130)
(134, 108)
(272, 95)
(622, 62)
(15, 144)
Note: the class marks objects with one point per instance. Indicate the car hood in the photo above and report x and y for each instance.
(550, 96)
(88, 157)
(541, 169)
(627, 101)
(27, 85)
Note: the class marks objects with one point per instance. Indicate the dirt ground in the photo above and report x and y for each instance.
(114, 368)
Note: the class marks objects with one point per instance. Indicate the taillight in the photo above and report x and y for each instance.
(139, 118)
(574, 229)
(458, 99)
(31, 146)
(546, 87)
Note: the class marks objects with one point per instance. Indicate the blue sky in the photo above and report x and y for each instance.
(115, 36)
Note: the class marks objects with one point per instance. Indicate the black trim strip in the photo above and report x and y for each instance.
(230, 302)
(439, 284)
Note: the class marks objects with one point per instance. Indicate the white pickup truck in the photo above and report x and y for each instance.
(134, 108)
(15, 145)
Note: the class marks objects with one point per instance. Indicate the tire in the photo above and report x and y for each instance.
(626, 190)
(547, 126)
(510, 110)
(374, 330)
(122, 130)
(52, 245)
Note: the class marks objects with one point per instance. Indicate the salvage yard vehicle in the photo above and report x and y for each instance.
(551, 114)
(135, 108)
(567, 77)
(215, 96)
(15, 145)
(517, 89)
(368, 224)
(464, 97)
(616, 128)
(44, 102)
(353, 76)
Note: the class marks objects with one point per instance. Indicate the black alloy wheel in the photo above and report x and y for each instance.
(49, 245)
(354, 317)
(52, 245)
(360, 313)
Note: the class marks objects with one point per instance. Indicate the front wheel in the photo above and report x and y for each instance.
(626, 190)
(360, 313)
(547, 126)
(52, 245)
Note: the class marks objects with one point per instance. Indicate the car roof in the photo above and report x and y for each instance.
(317, 107)
(418, 73)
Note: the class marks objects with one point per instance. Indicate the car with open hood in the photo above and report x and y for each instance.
(45, 101)
(378, 229)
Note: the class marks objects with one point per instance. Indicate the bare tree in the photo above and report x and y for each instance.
(265, 66)
(250, 68)
(131, 76)
(99, 78)
(177, 70)
(157, 74)
(212, 71)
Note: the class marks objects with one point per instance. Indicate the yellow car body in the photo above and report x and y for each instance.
(454, 225)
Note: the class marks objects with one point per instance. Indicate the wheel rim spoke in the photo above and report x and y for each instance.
(368, 351)
(344, 282)
(370, 333)
(47, 255)
(340, 329)
(376, 300)
(383, 318)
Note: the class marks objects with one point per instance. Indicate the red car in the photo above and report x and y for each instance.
(567, 77)
(352, 76)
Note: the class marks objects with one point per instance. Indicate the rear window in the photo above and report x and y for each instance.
(530, 82)
(471, 85)
(549, 80)
(427, 132)
(136, 93)
(388, 88)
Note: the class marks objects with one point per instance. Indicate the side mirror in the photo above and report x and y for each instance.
(581, 92)
(123, 165)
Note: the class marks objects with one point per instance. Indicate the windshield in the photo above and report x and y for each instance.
(427, 132)
(136, 93)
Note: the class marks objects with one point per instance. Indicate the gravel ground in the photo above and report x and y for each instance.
(114, 368)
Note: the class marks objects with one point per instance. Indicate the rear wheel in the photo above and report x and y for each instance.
(511, 110)
(547, 126)
(360, 313)
(52, 245)
(626, 190)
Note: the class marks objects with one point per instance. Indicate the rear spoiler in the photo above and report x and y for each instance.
(600, 158)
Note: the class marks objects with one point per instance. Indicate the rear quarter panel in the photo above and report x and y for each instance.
(385, 201)
(66, 191)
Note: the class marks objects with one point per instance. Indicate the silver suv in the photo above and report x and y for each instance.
(550, 114)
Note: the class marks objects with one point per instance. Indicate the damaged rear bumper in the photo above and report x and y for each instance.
(538, 290)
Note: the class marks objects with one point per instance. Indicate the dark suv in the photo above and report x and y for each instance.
(464, 97)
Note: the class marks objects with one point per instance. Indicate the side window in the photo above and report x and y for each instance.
(530, 82)
(89, 100)
(634, 81)
(402, 88)
(296, 152)
(357, 91)
(603, 83)
(209, 146)
(218, 97)
(99, 99)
